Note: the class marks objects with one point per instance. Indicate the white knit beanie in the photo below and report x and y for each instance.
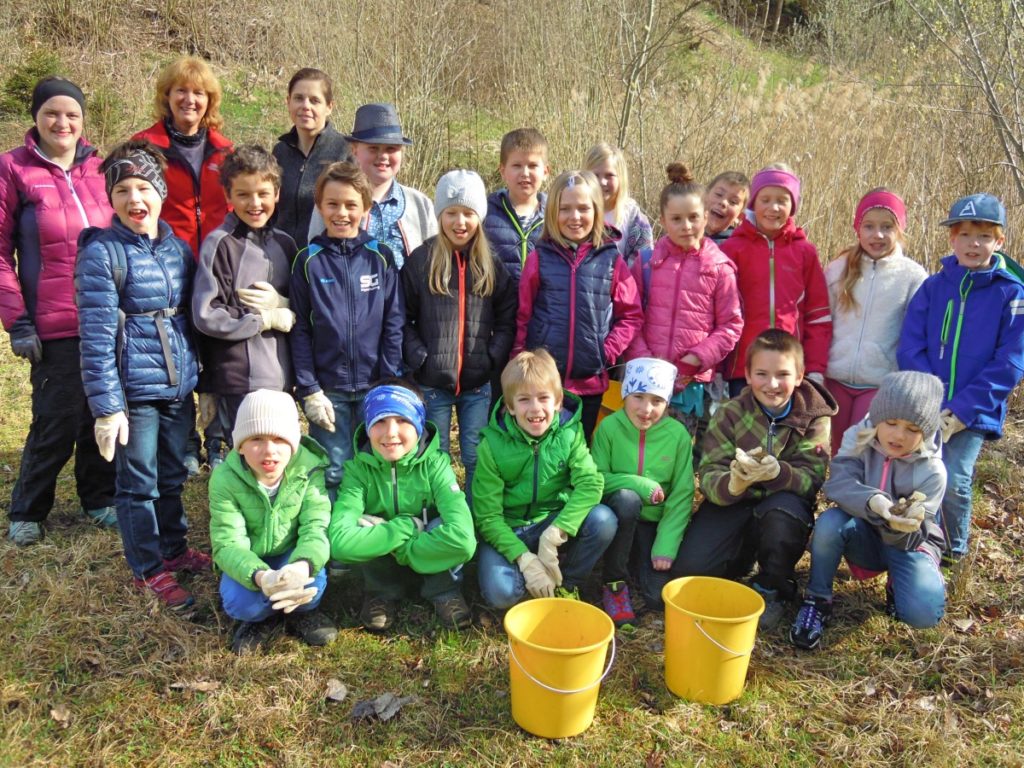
(461, 188)
(649, 375)
(265, 412)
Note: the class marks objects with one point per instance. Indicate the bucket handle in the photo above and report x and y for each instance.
(607, 669)
(696, 623)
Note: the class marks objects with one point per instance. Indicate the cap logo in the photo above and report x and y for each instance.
(968, 209)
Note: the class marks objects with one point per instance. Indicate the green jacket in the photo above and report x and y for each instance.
(799, 440)
(520, 480)
(642, 461)
(420, 484)
(245, 526)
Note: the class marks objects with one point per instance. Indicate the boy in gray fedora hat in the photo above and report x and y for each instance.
(400, 216)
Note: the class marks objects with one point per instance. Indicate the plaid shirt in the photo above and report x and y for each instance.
(799, 440)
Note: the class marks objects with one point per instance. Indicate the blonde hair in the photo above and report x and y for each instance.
(481, 263)
(189, 70)
(845, 300)
(531, 367)
(598, 154)
(562, 182)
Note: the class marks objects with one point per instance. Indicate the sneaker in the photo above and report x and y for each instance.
(377, 613)
(616, 603)
(567, 593)
(167, 588)
(216, 452)
(809, 626)
(191, 463)
(312, 628)
(104, 516)
(253, 636)
(774, 608)
(452, 611)
(191, 560)
(24, 533)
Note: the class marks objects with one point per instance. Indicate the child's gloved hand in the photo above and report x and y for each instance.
(738, 482)
(289, 600)
(949, 424)
(881, 505)
(319, 410)
(368, 521)
(904, 524)
(657, 495)
(277, 319)
(262, 295)
(547, 551)
(766, 469)
(110, 430)
(25, 341)
(661, 563)
(538, 581)
(207, 409)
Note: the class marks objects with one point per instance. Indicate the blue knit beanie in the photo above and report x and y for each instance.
(391, 400)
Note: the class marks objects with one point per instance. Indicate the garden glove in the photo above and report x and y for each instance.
(25, 341)
(538, 580)
(319, 410)
(949, 424)
(738, 482)
(547, 551)
(904, 524)
(881, 505)
(289, 600)
(261, 296)
(368, 521)
(766, 469)
(291, 577)
(277, 319)
(110, 430)
(207, 409)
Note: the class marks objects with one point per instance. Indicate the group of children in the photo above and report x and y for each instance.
(515, 310)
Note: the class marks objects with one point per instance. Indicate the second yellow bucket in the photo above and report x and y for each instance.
(710, 627)
(557, 651)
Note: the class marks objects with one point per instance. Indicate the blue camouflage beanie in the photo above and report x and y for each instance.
(391, 400)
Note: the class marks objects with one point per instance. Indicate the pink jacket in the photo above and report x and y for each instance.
(693, 307)
(42, 210)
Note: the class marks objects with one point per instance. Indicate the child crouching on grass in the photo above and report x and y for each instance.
(400, 512)
(892, 455)
(646, 461)
(269, 512)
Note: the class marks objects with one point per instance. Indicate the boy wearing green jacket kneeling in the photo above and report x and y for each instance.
(400, 511)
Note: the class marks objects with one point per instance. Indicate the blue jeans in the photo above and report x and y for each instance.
(959, 456)
(150, 475)
(473, 410)
(348, 414)
(915, 578)
(501, 582)
(243, 604)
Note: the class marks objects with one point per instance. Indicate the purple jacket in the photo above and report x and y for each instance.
(42, 210)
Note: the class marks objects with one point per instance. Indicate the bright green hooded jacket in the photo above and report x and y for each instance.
(520, 480)
(642, 461)
(245, 526)
(420, 484)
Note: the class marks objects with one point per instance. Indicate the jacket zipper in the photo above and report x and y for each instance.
(524, 236)
(640, 456)
(869, 300)
(572, 314)
(461, 341)
(675, 299)
(352, 303)
(536, 472)
(956, 335)
(771, 283)
(394, 486)
(70, 183)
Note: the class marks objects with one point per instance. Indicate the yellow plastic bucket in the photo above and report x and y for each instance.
(611, 400)
(556, 664)
(710, 627)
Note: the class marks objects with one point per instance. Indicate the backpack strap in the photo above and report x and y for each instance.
(646, 254)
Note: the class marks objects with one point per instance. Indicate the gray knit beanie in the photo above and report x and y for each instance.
(461, 187)
(265, 412)
(909, 395)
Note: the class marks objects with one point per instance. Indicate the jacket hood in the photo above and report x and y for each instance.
(930, 448)
(810, 401)
(503, 421)
(364, 451)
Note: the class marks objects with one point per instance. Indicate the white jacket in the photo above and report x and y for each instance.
(864, 339)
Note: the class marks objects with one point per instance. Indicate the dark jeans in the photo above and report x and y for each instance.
(384, 577)
(61, 425)
(227, 412)
(588, 416)
(627, 506)
(150, 475)
(776, 529)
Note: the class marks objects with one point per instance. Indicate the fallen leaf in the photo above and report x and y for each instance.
(382, 708)
(61, 715)
(869, 688)
(336, 690)
(655, 759)
(203, 686)
(992, 611)
(927, 703)
(963, 625)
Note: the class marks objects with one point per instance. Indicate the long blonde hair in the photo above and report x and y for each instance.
(845, 300)
(598, 154)
(481, 264)
(562, 182)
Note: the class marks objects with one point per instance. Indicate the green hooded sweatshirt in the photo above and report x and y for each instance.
(520, 480)
(245, 526)
(642, 461)
(420, 484)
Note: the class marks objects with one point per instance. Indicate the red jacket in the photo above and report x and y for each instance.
(194, 207)
(782, 285)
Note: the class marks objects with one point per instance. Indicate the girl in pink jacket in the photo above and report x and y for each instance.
(692, 314)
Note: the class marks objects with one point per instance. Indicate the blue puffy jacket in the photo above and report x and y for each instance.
(512, 240)
(136, 337)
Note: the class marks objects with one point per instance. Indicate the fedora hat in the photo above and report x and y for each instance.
(378, 124)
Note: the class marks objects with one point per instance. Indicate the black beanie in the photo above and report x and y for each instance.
(49, 87)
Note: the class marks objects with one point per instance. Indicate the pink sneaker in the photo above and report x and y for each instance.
(616, 603)
(191, 560)
(167, 588)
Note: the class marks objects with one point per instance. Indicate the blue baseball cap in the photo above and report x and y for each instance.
(979, 207)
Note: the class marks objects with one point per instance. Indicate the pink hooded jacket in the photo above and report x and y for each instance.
(693, 307)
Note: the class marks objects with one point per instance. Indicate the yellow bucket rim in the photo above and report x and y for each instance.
(562, 651)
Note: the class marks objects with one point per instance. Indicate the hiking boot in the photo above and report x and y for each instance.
(452, 610)
(167, 589)
(616, 603)
(774, 608)
(377, 613)
(191, 463)
(809, 626)
(104, 516)
(567, 593)
(890, 599)
(24, 533)
(949, 561)
(254, 636)
(191, 560)
(312, 628)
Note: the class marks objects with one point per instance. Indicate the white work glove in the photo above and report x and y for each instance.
(949, 424)
(289, 586)
(908, 514)
(738, 482)
(110, 430)
(766, 469)
(904, 523)
(368, 521)
(207, 409)
(538, 580)
(319, 410)
(261, 296)
(277, 319)
(881, 505)
(547, 551)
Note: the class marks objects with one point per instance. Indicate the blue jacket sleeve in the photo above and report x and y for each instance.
(912, 350)
(98, 306)
(301, 336)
